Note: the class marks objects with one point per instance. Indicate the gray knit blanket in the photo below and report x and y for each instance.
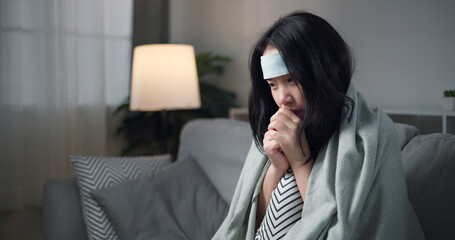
(356, 190)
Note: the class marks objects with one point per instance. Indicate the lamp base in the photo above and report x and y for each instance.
(164, 130)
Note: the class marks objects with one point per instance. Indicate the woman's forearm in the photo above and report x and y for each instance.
(302, 176)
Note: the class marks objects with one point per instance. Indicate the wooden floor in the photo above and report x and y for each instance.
(21, 225)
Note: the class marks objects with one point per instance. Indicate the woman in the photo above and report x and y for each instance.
(324, 165)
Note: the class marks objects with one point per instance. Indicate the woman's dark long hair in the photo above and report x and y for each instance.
(320, 61)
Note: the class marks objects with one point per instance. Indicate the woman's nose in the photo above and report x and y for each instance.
(285, 96)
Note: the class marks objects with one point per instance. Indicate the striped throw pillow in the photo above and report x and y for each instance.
(93, 173)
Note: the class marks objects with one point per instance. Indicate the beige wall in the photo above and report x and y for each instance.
(404, 49)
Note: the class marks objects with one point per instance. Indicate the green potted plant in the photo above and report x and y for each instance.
(140, 129)
(448, 101)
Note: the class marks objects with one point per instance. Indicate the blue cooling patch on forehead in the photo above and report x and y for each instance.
(273, 66)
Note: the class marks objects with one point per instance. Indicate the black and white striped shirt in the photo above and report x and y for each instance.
(283, 211)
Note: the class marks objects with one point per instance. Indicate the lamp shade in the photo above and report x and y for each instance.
(164, 77)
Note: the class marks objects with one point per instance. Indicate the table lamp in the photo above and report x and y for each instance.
(164, 77)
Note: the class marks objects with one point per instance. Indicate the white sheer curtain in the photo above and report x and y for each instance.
(63, 64)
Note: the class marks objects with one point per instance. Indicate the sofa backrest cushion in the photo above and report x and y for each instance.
(429, 167)
(220, 147)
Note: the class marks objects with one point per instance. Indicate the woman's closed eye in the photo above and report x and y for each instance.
(271, 84)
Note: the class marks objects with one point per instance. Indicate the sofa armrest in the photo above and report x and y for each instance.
(406, 133)
(62, 212)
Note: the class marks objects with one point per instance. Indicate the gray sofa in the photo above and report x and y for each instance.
(219, 146)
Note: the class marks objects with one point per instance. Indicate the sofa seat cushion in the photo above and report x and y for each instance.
(178, 202)
(429, 166)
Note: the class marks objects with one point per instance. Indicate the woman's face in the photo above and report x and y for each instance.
(285, 91)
